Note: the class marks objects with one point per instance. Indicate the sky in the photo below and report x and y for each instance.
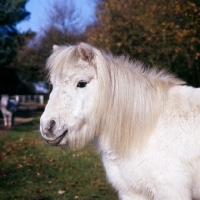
(39, 8)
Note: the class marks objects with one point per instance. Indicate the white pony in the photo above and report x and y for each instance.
(8, 108)
(145, 122)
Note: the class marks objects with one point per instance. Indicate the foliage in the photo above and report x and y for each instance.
(11, 13)
(30, 169)
(158, 32)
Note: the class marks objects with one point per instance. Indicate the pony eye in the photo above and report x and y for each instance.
(81, 84)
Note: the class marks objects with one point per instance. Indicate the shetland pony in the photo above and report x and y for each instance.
(8, 108)
(145, 122)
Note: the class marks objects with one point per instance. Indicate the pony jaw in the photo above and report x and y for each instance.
(58, 140)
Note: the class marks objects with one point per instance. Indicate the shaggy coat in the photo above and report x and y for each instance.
(145, 122)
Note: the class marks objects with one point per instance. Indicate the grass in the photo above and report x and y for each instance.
(32, 170)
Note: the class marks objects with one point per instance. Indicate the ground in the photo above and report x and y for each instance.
(26, 112)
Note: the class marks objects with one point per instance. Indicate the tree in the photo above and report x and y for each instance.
(64, 16)
(158, 32)
(60, 29)
(11, 13)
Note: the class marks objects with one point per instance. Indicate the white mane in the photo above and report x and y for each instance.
(133, 99)
(130, 97)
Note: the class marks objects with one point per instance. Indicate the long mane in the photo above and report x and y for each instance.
(130, 97)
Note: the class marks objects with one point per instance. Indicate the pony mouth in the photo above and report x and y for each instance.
(57, 141)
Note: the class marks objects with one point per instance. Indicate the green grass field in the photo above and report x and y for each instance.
(32, 170)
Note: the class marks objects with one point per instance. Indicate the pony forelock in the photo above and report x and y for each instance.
(61, 57)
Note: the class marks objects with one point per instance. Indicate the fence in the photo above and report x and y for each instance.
(29, 98)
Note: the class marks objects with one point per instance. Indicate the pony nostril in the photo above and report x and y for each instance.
(51, 125)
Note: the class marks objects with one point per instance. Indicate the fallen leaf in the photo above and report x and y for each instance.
(19, 166)
(38, 174)
(61, 191)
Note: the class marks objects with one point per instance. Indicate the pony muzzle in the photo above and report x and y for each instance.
(57, 141)
(51, 133)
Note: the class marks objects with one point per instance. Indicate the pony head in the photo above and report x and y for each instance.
(96, 95)
(69, 116)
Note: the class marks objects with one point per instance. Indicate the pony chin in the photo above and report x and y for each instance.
(77, 138)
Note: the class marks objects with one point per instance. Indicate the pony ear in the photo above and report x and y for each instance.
(55, 47)
(86, 52)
